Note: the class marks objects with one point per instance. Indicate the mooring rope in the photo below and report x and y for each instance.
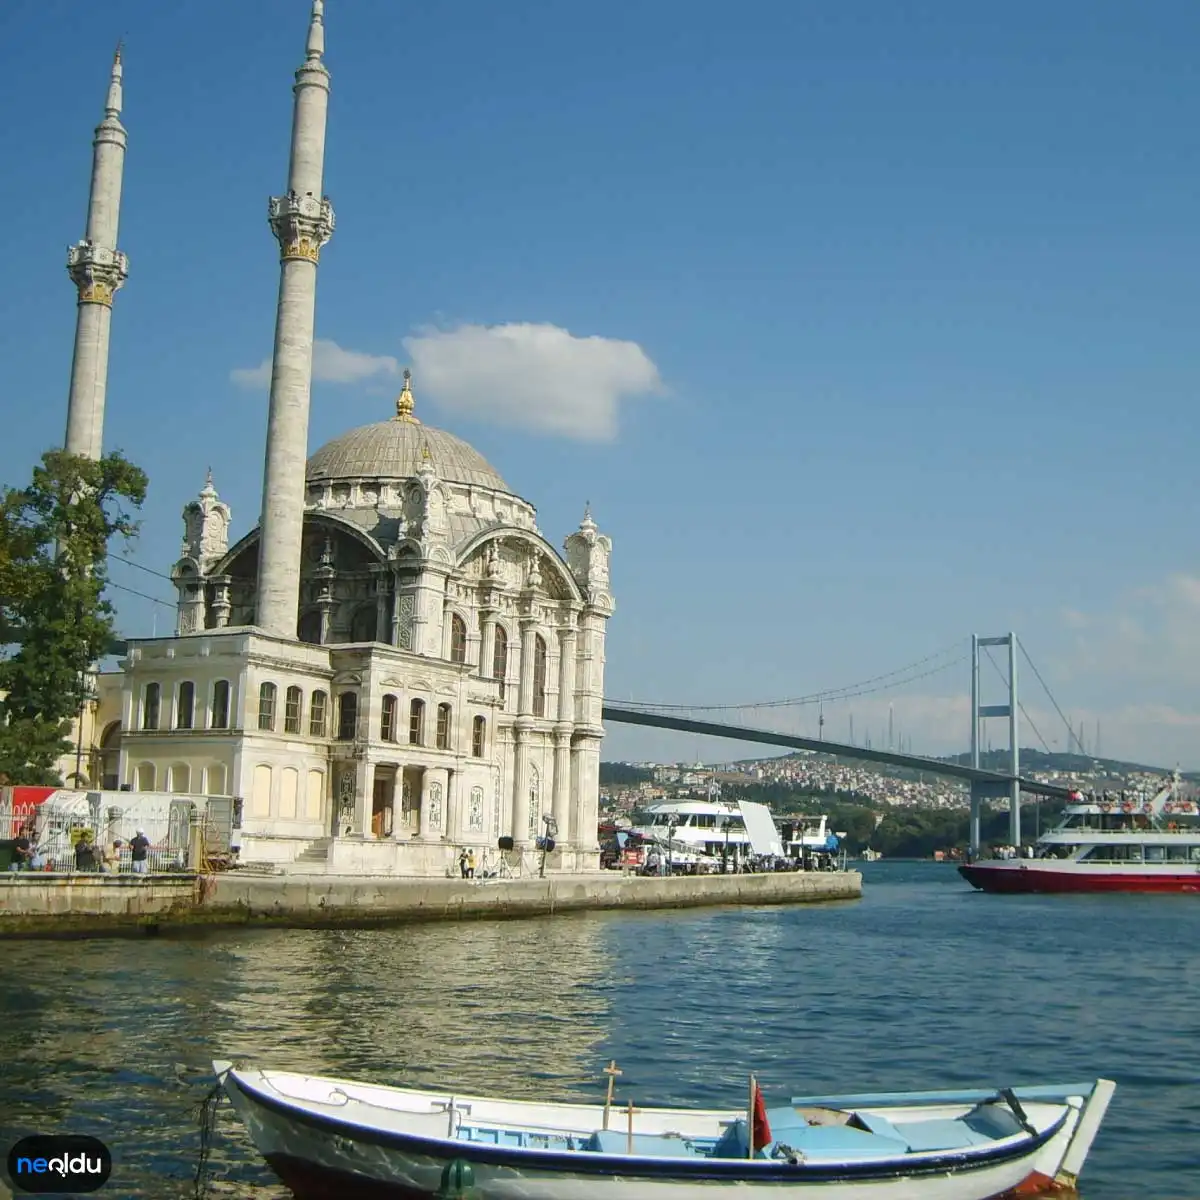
(206, 1115)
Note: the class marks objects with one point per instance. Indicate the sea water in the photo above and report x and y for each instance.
(921, 984)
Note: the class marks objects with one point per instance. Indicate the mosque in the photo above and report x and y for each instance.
(395, 664)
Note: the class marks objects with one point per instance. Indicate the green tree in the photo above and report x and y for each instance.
(54, 621)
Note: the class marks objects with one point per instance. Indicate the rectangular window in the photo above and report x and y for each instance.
(185, 707)
(416, 723)
(443, 727)
(316, 715)
(150, 706)
(266, 707)
(291, 710)
(387, 721)
(220, 707)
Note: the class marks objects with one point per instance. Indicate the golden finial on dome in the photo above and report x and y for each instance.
(404, 401)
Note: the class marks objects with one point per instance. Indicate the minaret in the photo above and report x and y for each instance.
(302, 221)
(98, 269)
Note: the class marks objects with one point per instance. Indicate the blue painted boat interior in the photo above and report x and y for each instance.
(865, 1136)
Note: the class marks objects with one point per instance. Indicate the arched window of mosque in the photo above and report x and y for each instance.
(309, 629)
(150, 706)
(266, 707)
(539, 677)
(363, 627)
(220, 704)
(500, 657)
(144, 780)
(387, 721)
(478, 736)
(458, 639)
(185, 706)
(443, 727)
(317, 708)
(347, 716)
(416, 723)
(292, 705)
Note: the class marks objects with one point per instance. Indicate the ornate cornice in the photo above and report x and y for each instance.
(301, 225)
(97, 272)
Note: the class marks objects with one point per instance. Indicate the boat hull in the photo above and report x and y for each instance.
(321, 1157)
(1065, 876)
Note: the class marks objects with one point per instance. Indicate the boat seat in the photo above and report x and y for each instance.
(993, 1120)
(645, 1145)
(839, 1141)
(940, 1134)
(881, 1126)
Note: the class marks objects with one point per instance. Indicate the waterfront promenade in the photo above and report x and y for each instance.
(36, 905)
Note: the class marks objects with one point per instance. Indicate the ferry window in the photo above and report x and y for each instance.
(1156, 853)
(1195, 854)
(1177, 854)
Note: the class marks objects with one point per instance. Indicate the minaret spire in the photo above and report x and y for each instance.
(98, 269)
(302, 222)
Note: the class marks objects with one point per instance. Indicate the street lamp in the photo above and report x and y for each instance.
(726, 822)
(672, 823)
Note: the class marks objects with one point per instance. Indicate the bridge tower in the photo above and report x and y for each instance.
(981, 791)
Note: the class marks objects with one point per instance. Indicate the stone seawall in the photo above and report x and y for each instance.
(80, 906)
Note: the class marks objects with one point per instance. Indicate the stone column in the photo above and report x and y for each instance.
(563, 729)
(433, 803)
(429, 602)
(98, 269)
(562, 785)
(487, 646)
(423, 804)
(520, 794)
(525, 696)
(302, 222)
(453, 826)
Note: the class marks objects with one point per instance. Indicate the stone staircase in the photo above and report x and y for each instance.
(313, 859)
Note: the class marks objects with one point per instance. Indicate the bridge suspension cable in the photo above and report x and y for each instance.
(1020, 707)
(1072, 736)
(877, 683)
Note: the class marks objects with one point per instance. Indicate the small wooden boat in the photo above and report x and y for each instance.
(329, 1138)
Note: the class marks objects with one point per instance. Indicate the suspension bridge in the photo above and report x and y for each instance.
(984, 784)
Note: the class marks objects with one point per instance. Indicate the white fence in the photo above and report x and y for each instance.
(168, 821)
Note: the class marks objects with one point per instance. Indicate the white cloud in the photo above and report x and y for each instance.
(537, 377)
(331, 364)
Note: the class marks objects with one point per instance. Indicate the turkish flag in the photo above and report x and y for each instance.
(760, 1127)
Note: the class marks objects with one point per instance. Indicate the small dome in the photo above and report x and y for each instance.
(394, 449)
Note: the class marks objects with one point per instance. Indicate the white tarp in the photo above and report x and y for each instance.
(760, 825)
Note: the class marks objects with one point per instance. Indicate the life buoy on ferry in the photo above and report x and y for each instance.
(1127, 806)
(1106, 806)
(1147, 807)
(1185, 806)
(1169, 806)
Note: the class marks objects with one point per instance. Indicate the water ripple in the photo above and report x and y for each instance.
(924, 983)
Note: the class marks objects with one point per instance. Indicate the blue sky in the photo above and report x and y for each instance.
(909, 292)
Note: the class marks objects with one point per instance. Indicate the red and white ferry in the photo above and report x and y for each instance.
(1107, 845)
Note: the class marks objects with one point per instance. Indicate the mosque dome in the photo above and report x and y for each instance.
(394, 450)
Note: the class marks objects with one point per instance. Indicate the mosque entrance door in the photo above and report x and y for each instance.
(382, 800)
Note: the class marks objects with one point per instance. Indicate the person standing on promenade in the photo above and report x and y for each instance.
(22, 851)
(470, 872)
(138, 848)
(462, 862)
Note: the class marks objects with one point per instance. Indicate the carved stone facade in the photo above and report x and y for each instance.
(443, 688)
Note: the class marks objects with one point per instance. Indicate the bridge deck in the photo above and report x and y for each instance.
(915, 762)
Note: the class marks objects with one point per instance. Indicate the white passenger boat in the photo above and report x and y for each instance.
(1108, 844)
(695, 830)
(329, 1138)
